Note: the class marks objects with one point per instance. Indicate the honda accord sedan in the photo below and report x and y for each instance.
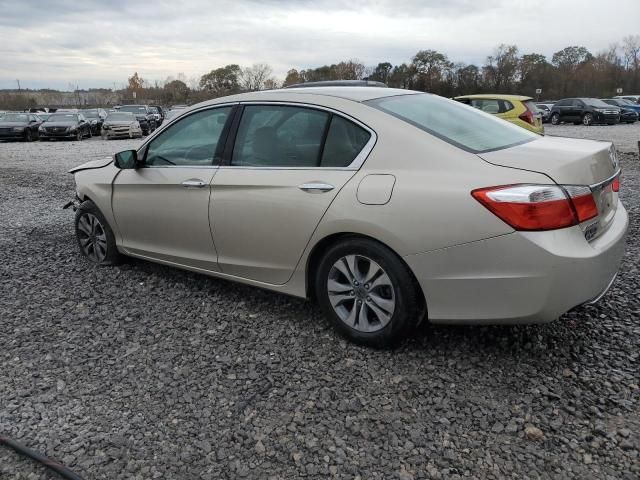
(385, 206)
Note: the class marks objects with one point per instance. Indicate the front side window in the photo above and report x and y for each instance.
(190, 141)
(279, 136)
(457, 124)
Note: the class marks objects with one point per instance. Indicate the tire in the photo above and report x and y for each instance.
(94, 235)
(399, 304)
(28, 136)
(587, 119)
(104, 136)
(89, 133)
(555, 119)
(79, 136)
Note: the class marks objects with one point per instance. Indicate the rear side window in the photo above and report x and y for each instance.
(453, 122)
(279, 136)
(345, 140)
(490, 105)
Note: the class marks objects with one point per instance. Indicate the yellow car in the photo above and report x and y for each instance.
(516, 109)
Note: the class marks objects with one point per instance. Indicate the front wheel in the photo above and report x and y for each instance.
(587, 119)
(367, 292)
(555, 119)
(95, 237)
(28, 136)
(79, 135)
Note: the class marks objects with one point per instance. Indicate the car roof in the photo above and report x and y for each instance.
(497, 96)
(356, 94)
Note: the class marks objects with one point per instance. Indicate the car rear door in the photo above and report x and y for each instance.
(162, 209)
(282, 170)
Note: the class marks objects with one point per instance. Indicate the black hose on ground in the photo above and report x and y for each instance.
(63, 471)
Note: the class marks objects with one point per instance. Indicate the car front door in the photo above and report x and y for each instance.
(162, 208)
(287, 165)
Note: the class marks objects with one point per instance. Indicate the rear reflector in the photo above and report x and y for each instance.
(615, 186)
(538, 207)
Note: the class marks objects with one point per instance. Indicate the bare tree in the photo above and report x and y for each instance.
(255, 77)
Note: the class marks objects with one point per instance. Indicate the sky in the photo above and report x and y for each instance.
(57, 43)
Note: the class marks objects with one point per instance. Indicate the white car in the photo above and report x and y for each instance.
(386, 206)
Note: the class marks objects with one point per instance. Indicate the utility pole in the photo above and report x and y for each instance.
(18, 84)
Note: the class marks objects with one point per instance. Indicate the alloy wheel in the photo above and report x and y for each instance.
(361, 293)
(587, 119)
(92, 237)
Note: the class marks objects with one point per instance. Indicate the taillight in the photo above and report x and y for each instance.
(527, 116)
(615, 186)
(538, 207)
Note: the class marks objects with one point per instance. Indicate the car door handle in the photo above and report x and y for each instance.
(193, 184)
(316, 187)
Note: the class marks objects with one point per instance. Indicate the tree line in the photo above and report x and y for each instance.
(571, 71)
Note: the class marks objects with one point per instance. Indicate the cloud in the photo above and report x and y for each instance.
(95, 43)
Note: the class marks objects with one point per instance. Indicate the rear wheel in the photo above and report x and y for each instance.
(587, 119)
(555, 119)
(367, 292)
(95, 237)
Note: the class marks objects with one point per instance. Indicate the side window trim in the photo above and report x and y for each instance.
(217, 155)
(354, 166)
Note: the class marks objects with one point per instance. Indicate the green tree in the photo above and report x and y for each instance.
(431, 67)
(382, 72)
(222, 81)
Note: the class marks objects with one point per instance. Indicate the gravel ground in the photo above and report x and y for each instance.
(143, 371)
(624, 136)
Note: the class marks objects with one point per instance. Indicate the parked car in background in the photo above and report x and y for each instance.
(66, 126)
(545, 111)
(516, 109)
(19, 126)
(587, 111)
(43, 116)
(145, 117)
(158, 113)
(623, 104)
(95, 117)
(121, 125)
(632, 98)
(476, 221)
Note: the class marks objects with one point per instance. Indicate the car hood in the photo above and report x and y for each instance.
(93, 164)
(567, 161)
(119, 122)
(12, 124)
(59, 124)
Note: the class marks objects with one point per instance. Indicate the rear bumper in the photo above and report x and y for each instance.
(522, 277)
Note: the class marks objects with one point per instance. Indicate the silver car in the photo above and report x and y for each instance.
(121, 125)
(385, 206)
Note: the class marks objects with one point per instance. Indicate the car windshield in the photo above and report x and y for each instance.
(120, 117)
(466, 127)
(133, 109)
(15, 117)
(63, 117)
(154, 110)
(594, 102)
(90, 113)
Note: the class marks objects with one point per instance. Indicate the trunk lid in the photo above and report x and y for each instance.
(569, 161)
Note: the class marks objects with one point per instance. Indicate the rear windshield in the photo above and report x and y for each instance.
(63, 117)
(134, 109)
(458, 124)
(594, 102)
(120, 116)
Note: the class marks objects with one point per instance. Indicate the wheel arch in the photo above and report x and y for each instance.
(313, 259)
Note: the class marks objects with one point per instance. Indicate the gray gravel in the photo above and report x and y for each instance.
(142, 371)
(624, 136)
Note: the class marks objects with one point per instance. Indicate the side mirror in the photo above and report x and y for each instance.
(126, 160)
